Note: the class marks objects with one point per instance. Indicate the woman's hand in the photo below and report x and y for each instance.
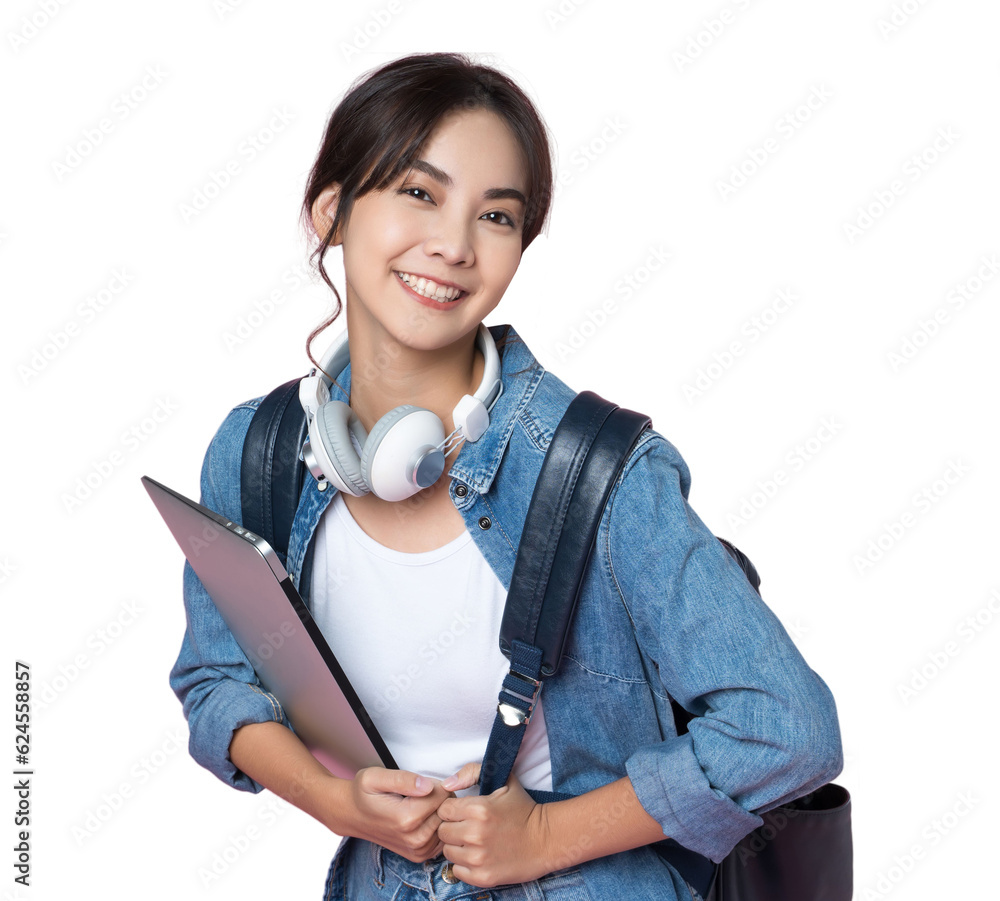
(395, 808)
(398, 810)
(494, 839)
(506, 837)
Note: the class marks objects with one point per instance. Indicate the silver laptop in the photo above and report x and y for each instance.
(273, 626)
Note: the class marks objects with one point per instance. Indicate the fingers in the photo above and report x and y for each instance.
(398, 809)
(453, 834)
(495, 839)
(513, 786)
(421, 844)
(474, 807)
(466, 777)
(397, 782)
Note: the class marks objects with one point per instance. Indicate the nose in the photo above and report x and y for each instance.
(452, 241)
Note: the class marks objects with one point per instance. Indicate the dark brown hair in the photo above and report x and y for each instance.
(378, 128)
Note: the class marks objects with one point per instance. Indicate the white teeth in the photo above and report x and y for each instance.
(430, 289)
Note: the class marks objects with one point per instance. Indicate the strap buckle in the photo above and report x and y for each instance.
(521, 704)
(523, 677)
(514, 717)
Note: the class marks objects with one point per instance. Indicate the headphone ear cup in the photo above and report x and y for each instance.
(331, 429)
(400, 456)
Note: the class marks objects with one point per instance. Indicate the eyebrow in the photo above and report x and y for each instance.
(445, 179)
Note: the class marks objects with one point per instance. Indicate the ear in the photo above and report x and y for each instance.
(324, 208)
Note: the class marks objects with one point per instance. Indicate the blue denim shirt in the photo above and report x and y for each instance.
(663, 611)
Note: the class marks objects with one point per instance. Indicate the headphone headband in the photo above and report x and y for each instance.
(406, 448)
(338, 355)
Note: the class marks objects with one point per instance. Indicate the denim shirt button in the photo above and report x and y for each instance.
(461, 490)
(484, 522)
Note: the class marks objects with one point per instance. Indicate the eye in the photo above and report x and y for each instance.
(500, 218)
(415, 192)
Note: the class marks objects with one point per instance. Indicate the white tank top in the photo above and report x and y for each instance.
(417, 634)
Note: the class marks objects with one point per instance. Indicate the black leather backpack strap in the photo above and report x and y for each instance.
(271, 473)
(581, 466)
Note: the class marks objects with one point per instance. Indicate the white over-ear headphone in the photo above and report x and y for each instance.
(406, 449)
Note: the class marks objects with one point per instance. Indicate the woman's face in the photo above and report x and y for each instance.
(428, 258)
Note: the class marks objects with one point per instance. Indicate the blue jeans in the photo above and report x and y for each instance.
(363, 871)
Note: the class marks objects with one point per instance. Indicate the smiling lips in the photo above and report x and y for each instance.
(425, 287)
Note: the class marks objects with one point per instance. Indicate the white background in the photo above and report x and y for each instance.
(91, 585)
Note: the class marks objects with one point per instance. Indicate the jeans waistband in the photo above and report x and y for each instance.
(431, 876)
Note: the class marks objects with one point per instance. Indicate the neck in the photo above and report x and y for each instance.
(386, 373)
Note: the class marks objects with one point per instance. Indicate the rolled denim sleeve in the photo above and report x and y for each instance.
(765, 729)
(212, 678)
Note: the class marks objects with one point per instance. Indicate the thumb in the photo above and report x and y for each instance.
(399, 782)
(464, 778)
(513, 786)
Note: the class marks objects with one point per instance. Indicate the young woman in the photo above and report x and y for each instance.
(433, 177)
